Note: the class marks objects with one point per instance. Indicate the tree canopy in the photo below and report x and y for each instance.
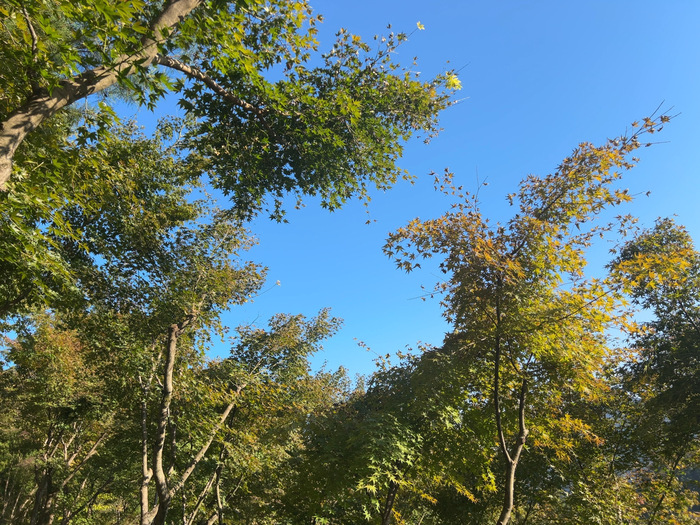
(117, 265)
(273, 117)
(529, 327)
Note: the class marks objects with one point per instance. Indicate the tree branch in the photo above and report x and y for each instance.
(41, 106)
(31, 73)
(215, 475)
(90, 453)
(496, 386)
(202, 451)
(164, 495)
(197, 74)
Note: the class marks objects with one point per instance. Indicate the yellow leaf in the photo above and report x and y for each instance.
(453, 82)
(420, 26)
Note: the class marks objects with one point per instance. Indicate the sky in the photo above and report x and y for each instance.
(538, 78)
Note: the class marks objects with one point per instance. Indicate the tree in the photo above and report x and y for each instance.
(371, 441)
(399, 451)
(258, 446)
(56, 421)
(101, 225)
(77, 421)
(615, 471)
(125, 232)
(528, 326)
(265, 118)
(125, 198)
(326, 130)
(660, 268)
(170, 308)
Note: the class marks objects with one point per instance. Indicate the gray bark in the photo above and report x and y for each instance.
(158, 514)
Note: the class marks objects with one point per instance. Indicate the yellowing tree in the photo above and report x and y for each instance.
(529, 326)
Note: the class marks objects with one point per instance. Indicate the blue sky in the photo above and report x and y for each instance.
(538, 77)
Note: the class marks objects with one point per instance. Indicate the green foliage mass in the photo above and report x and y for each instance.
(116, 266)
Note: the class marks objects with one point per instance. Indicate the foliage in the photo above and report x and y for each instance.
(328, 130)
(271, 121)
(115, 267)
(60, 428)
(264, 118)
(528, 326)
(120, 200)
(661, 268)
(263, 435)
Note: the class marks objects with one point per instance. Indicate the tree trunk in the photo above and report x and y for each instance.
(508, 500)
(146, 472)
(43, 500)
(389, 504)
(164, 494)
(512, 459)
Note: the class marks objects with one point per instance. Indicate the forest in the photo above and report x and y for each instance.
(550, 399)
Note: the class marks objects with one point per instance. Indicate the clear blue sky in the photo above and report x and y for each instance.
(538, 77)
